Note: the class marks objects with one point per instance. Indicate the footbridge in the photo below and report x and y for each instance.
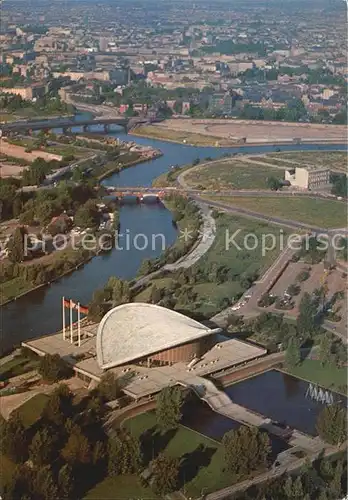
(29, 126)
(221, 403)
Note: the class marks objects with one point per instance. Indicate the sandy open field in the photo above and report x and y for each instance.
(10, 170)
(257, 131)
(19, 152)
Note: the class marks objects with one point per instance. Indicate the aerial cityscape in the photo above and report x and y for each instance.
(173, 250)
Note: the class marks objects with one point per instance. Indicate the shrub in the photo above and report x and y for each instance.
(303, 276)
(266, 300)
(53, 368)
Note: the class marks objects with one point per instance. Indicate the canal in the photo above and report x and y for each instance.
(39, 313)
(282, 398)
(215, 425)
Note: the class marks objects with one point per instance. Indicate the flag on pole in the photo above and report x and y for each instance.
(70, 304)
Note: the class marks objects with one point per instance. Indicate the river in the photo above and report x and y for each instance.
(39, 312)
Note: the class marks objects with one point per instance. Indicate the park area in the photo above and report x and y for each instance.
(230, 174)
(201, 458)
(318, 212)
(223, 273)
(328, 376)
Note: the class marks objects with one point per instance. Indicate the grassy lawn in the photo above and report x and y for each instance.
(31, 411)
(170, 178)
(275, 162)
(201, 464)
(334, 160)
(122, 488)
(17, 366)
(232, 174)
(321, 213)
(329, 376)
(67, 150)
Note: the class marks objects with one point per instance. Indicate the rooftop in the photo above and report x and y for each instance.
(222, 356)
(136, 330)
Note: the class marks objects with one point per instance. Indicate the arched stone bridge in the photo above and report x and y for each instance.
(67, 124)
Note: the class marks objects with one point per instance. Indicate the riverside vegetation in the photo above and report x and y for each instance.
(46, 211)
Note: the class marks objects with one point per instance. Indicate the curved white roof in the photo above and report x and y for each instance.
(135, 330)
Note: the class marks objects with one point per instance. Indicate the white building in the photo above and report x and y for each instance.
(309, 177)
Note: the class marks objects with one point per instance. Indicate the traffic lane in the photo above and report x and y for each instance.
(258, 215)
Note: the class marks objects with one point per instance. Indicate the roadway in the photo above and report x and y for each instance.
(227, 493)
(267, 218)
(67, 123)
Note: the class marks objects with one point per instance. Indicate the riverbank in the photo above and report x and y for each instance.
(241, 133)
(30, 288)
(151, 132)
(197, 246)
(118, 168)
(187, 219)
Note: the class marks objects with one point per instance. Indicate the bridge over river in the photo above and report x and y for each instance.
(67, 124)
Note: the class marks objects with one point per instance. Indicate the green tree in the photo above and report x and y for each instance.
(325, 354)
(168, 410)
(294, 290)
(59, 406)
(246, 449)
(109, 387)
(45, 211)
(297, 489)
(17, 485)
(53, 368)
(124, 453)
(77, 449)
(335, 486)
(292, 353)
(165, 472)
(156, 295)
(288, 485)
(331, 424)
(323, 495)
(66, 482)
(87, 216)
(42, 448)
(16, 245)
(14, 439)
(120, 291)
(46, 485)
(99, 453)
(273, 183)
(307, 324)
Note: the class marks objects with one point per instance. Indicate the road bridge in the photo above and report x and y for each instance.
(29, 126)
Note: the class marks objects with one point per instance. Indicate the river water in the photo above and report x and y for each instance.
(39, 313)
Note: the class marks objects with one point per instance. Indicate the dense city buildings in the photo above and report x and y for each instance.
(269, 63)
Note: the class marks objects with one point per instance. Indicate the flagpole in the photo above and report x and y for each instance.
(63, 304)
(79, 323)
(71, 322)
